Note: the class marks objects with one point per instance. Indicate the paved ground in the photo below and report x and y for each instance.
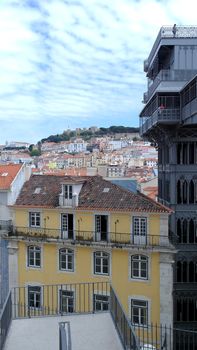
(88, 332)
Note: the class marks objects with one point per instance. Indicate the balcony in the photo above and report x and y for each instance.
(167, 116)
(68, 202)
(165, 75)
(91, 237)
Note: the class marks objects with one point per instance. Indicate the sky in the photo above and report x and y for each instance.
(77, 63)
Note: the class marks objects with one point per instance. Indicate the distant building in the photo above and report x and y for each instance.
(149, 188)
(115, 171)
(117, 144)
(151, 162)
(77, 146)
(17, 144)
(12, 178)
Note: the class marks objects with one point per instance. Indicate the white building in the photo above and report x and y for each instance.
(77, 146)
(12, 178)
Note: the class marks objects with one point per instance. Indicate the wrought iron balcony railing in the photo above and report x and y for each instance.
(68, 202)
(84, 237)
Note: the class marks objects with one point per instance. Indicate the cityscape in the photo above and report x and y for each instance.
(98, 224)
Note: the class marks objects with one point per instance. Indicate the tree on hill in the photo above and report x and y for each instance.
(35, 153)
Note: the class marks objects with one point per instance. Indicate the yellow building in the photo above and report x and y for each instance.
(70, 230)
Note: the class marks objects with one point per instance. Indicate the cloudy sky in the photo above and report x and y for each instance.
(77, 63)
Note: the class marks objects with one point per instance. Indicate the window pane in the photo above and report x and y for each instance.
(105, 269)
(70, 192)
(143, 316)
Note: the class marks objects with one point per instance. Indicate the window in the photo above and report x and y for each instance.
(66, 259)
(67, 224)
(101, 302)
(34, 219)
(139, 312)
(68, 191)
(101, 263)
(34, 297)
(139, 226)
(139, 267)
(34, 256)
(66, 301)
(101, 227)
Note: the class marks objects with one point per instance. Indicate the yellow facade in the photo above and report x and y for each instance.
(120, 226)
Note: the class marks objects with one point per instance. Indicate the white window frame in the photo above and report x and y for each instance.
(96, 297)
(97, 224)
(103, 255)
(137, 258)
(36, 293)
(138, 300)
(64, 232)
(64, 222)
(68, 252)
(68, 191)
(68, 299)
(33, 216)
(34, 248)
(138, 223)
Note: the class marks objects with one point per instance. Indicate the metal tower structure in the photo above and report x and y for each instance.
(169, 120)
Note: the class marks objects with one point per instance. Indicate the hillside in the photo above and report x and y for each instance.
(87, 134)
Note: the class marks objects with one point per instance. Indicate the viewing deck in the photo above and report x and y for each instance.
(167, 32)
(166, 116)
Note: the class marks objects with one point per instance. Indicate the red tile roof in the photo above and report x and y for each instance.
(96, 194)
(7, 175)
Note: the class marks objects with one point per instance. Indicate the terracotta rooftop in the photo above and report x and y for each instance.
(8, 173)
(96, 193)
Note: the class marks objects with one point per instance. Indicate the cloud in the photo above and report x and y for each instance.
(76, 63)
